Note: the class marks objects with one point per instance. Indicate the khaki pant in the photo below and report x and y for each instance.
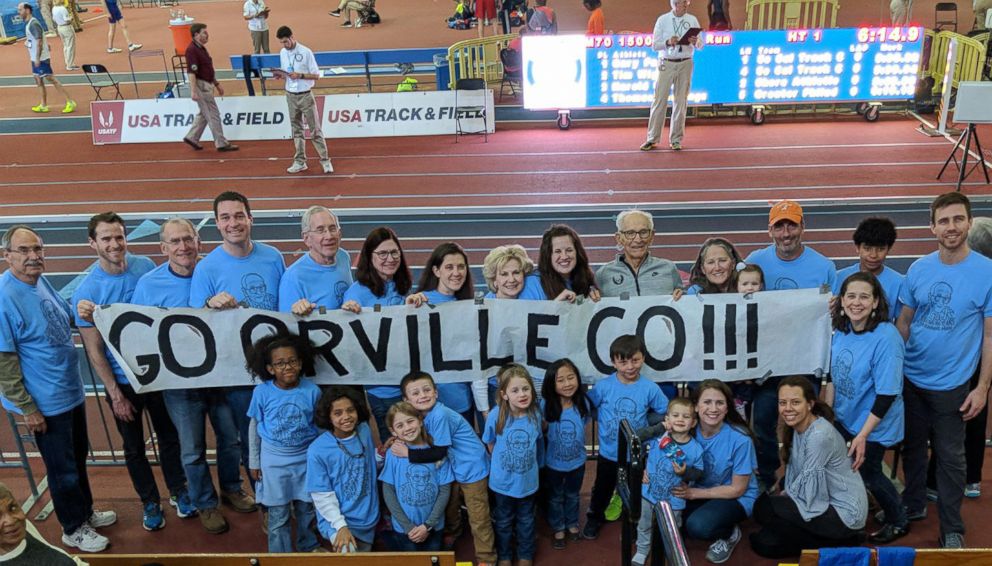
(260, 41)
(68, 44)
(304, 106)
(46, 13)
(680, 75)
(209, 114)
(477, 501)
(982, 8)
(899, 10)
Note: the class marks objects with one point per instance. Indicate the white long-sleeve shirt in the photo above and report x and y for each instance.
(668, 26)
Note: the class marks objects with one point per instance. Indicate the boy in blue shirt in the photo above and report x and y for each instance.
(874, 238)
(622, 395)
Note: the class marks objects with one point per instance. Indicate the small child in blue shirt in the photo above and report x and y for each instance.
(281, 429)
(673, 458)
(622, 395)
(513, 433)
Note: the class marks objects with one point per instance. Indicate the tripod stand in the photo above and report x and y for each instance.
(966, 139)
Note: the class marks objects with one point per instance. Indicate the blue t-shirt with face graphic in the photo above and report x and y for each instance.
(367, 299)
(890, 279)
(347, 468)
(615, 401)
(455, 396)
(285, 416)
(862, 367)
(951, 304)
(661, 475)
(566, 440)
(34, 324)
(322, 285)
(808, 271)
(469, 460)
(726, 454)
(518, 453)
(417, 486)
(252, 280)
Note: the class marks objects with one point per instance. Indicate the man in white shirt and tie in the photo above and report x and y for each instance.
(301, 71)
(674, 67)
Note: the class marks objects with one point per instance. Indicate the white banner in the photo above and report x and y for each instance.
(726, 336)
(266, 117)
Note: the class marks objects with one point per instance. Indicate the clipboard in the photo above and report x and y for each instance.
(689, 37)
(278, 73)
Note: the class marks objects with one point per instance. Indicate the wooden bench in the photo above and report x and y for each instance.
(310, 559)
(924, 557)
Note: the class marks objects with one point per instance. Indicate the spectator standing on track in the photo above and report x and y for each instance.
(596, 24)
(203, 80)
(635, 271)
(301, 72)
(899, 10)
(981, 9)
(112, 280)
(719, 11)
(257, 15)
(114, 16)
(46, 14)
(674, 68)
(39, 378)
(63, 21)
(41, 60)
(321, 277)
(168, 286)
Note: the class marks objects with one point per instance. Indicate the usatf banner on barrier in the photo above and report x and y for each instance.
(713, 336)
(266, 117)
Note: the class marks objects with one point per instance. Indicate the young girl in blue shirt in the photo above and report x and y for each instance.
(281, 429)
(513, 435)
(566, 411)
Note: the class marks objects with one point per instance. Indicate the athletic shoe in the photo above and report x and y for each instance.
(184, 507)
(910, 515)
(153, 518)
(328, 168)
(73, 68)
(70, 107)
(239, 501)
(615, 508)
(113, 50)
(228, 147)
(86, 539)
(41, 109)
(81, 9)
(213, 522)
(648, 146)
(932, 494)
(952, 540)
(346, 24)
(335, 13)
(973, 490)
(192, 144)
(591, 530)
(720, 551)
(638, 559)
(296, 167)
(888, 533)
(51, 34)
(559, 543)
(134, 46)
(101, 519)
(676, 146)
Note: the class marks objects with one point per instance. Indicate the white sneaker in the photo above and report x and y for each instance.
(102, 519)
(86, 539)
(328, 168)
(297, 167)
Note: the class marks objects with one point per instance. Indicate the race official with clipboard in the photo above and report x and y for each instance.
(676, 38)
(298, 67)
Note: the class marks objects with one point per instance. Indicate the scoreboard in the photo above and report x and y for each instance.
(732, 67)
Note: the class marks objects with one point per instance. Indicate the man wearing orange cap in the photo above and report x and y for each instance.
(787, 264)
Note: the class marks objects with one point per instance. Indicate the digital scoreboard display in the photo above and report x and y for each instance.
(732, 67)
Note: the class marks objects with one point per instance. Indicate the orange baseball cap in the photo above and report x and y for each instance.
(785, 210)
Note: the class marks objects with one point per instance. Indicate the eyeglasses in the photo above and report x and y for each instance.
(188, 240)
(24, 250)
(321, 230)
(631, 234)
(283, 365)
(387, 254)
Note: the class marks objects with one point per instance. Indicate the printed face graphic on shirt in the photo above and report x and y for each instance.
(256, 292)
(939, 315)
(710, 469)
(784, 283)
(661, 477)
(339, 289)
(289, 425)
(418, 490)
(519, 454)
(58, 327)
(355, 484)
(569, 446)
(623, 408)
(841, 370)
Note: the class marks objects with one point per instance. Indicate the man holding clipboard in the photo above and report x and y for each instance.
(676, 37)
(298, 67)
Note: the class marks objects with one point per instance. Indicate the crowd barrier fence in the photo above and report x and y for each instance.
(791, 14)
(478, 59)
(970, 61)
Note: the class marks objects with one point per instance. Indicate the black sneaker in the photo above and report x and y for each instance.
(335, 13)
(888, 533)
(346, 24)
(910, 515)
(591, 530)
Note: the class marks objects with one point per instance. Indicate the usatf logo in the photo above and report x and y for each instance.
(108, 121)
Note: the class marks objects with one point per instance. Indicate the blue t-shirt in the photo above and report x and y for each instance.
(518, 454)
(469, 459)
(366, 299)
(661, 475)
(726, 454)
(951, 304)
(322, 285)
(566, 440)
(890, 279)
(615, 401)
(808, 271)
(533, 291)
(455, 396)
(34, 324)
(863, 366)
(104, 288)
(347, 468)
(161, 287)
(417, 487)
(252, 280)
(285, 416)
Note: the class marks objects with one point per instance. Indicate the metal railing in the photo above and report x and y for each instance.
(478, 59)
(791, 14)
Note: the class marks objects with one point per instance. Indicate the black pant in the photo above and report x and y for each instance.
(784, 533)
(133, 435)
(602, 489)
(974, 444)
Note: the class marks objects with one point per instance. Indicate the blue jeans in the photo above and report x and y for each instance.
(63, 448)
(239, 398)
(514, 515)
(563, 497)
(400, 542)
(711, 519)
(189, 409)
(280, 529)
(379, 407)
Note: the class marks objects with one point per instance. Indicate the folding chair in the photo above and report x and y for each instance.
(470, 98)
(512, 71)
(100, 78)
(945, 16)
